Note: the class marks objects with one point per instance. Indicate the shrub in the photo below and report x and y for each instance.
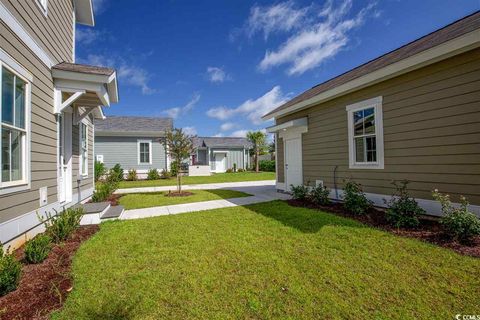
(165, 174)
(153, 174)
(241, 170)
(100, 170)
(299, 192)
(104, 190)
(355, 200)
(319, 195)
(174, 169)
(234, 167)
(37, 249)
(459, 223)
(403, 210)
(10, 271)
(132, 175)
(230, 170)
(60, 226)
(116, 173)
(267, 165)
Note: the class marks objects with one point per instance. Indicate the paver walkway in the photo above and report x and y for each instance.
(260, 193)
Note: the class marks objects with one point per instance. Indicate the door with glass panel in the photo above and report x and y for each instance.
(64, 157)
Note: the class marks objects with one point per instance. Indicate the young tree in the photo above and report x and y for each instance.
(180, 147)
(259, 141)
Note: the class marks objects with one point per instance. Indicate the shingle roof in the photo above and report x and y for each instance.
(83, 68)
(449, 32)
(133, 124)
(222, 142)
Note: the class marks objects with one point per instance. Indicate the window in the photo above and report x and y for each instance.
(144, 152)
(365, 134)
(13, 126)
(43, 4)
(83, 149)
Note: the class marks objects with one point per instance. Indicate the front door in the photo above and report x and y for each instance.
(293, 162)
(220, 162)
(64, 158)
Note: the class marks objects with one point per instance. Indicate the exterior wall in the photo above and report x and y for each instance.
(280, 159)
(82, 184)
(233, 156)
(431, 120)
(202, 157)
(124, 150)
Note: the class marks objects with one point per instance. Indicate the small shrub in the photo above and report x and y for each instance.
(165, 174)
(103, 191)
(234, 167)
(153, 174)
(403, 210)
(241, 170)
(116, 173)
(100, 170)
(132, 175)
(267, 165)
(174, 169)
(10, 271)
(459, 223)
(355, 200)
(229, 170)
(319, 195)
(60, 226)
(37, 249)
(299, 192)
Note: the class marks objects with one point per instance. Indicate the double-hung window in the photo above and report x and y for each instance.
(145, 152)
(365, 134)
(83, 149)
(14, 117)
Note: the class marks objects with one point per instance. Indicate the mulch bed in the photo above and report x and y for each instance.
(44, 287)
(178, 194)
(429, 230)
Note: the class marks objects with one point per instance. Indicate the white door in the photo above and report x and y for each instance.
(64, 179)
(293, 162)
(220, 162)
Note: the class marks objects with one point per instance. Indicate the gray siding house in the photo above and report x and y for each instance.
(413, 113)
(48, 107)
(133, 142)
(221, 153)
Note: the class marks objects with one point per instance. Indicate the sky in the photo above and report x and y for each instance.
(217, 66)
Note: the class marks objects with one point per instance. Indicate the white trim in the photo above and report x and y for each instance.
(43, 6)
(443, 51)
(84, 12)
(24, 36)
(375, 103)
(276, 138)
(150, 155)
(301, 122)
(74, 97)
(82, 174)
(220, 151)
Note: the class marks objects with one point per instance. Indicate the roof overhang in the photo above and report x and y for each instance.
(301, 122)
(443, 51)
(84, 12)
(150, 134)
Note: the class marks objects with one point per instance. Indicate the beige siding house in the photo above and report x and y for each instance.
(48, 107)
(413, 113)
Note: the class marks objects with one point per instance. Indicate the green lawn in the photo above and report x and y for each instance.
(214, 178)
(265, 261)
(156, 199)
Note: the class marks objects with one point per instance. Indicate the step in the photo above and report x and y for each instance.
(113, 212)
(99, 207)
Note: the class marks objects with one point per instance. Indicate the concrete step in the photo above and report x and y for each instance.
(99, 207)
(113, 212)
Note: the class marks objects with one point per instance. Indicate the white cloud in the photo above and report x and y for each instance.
(239, 133)
(218, 135)
(217, 75)
(253, 110)
(192, 131)
(227, 126)
(87, 36)
(177, 111)
(99, 6)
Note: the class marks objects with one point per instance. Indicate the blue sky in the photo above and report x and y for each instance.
(216, 66)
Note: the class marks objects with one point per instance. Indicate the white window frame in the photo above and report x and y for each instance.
(43, 5)
(11, 65)
(149, 153)
(83, 169)
(376, 104)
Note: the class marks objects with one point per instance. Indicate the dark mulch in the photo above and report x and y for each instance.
(429, 230)
(44, 287)
(114, 199)
(178, 194)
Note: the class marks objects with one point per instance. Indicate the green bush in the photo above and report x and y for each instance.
(60, 226)
(241, 170)
(174, 169)
(132, 175)
(403, 210)
(103, 191)
(165, 174)
(354, 200)
(229, 170)
(234, 167)
(459, 223)
(37, 249)
(319, 195)
(116, 173)
(153, 174)
(299, 192)
(100, 170)
(267, 165)
(10, 271)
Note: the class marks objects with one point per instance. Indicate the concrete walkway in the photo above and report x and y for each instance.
(260, 193)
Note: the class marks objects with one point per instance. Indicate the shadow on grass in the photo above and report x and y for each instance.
(226, 194)
(302, 219)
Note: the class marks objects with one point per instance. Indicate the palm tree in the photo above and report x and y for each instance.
(259, 141)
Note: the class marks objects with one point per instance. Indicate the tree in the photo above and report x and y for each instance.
(259, 141)
(180, 147)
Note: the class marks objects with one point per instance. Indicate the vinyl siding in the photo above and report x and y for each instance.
(279, 158)
(124, 150)
(431, 120)
(233, 156)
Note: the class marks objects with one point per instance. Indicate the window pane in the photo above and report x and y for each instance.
(360, 149)
(358, 122)
(19, 103)
(371, 149)
(12, 168)
(5, 155)
(16, 161)
(7, 96)
(369, 120)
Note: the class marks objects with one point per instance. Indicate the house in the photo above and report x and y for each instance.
(133, 142)
(412, 113)
(221, 153)
(48, 106)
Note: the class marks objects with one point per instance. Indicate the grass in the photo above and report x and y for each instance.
(214, 178)
(156, 199)
(265, 261)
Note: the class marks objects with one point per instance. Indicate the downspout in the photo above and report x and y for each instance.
(335, 181)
